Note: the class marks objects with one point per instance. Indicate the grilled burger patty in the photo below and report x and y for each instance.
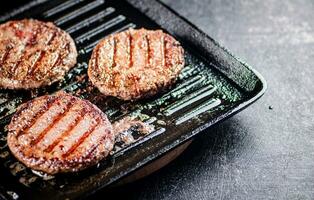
(34, 54)
(135, 63)
(59, 133)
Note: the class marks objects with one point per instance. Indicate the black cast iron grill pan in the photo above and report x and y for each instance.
(213, 86)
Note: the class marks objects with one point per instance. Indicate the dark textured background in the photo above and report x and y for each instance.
(261, 153)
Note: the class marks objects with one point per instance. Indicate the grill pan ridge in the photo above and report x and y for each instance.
(213, 86)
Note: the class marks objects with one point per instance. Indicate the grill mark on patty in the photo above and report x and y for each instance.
(97, 59)
(51, 38)
(82, 138)
(163, 51)
(22, 57)
(66, 47)
(58, 60)
(70, 127)
(56, 119)
(42, 110)
(37, 63)
(4, 56)
(114, 57)
(130, 49)
(148, 51)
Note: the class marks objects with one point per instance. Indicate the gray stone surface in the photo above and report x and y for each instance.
(260, 153)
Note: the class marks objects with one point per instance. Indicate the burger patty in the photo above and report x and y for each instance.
(135, 63)
(59, 133)
(34, 54)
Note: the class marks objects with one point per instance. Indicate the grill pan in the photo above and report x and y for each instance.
(213, 86)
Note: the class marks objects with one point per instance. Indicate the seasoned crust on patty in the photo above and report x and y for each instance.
(34, 54)
(59, 133)
(135, 63)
